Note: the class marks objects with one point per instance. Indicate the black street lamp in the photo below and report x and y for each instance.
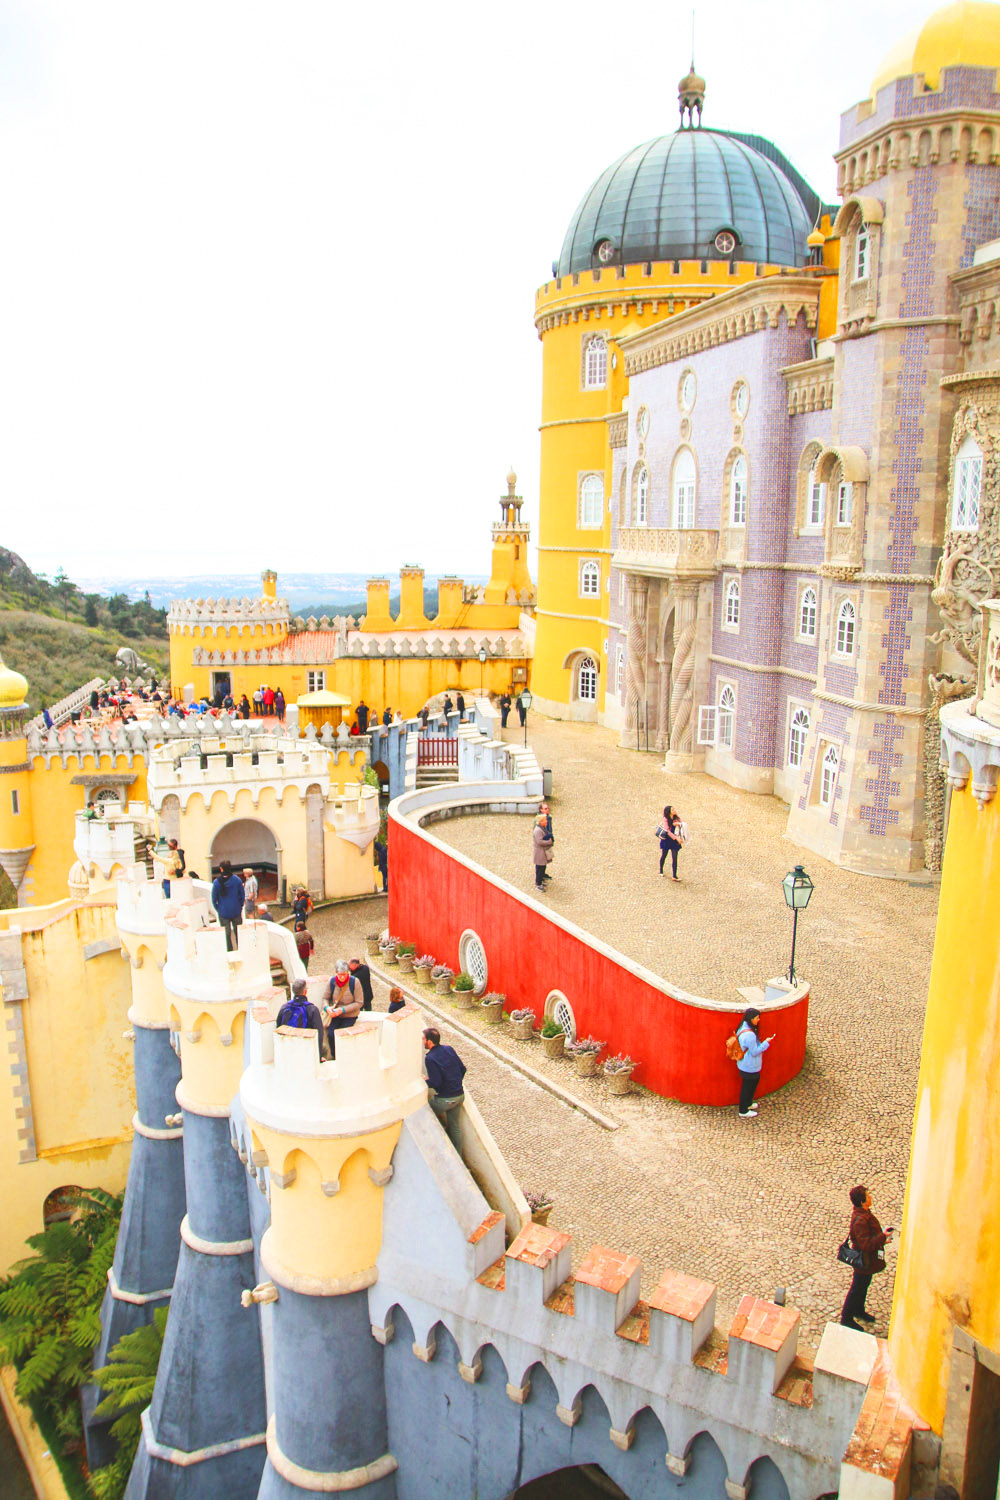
(797, 888)
(526, 704)
(482, 668)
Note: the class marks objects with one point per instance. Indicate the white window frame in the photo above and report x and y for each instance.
(799, 724)
(967, 486)
(731, 605)
(685, 488)
(623, 496)
(815, 502)
(846, 629)
(741, 399)
(845, 502)
(862, 253)
(725, 718)
(590, 568)
(587, 671)
(316, 681)
(829, 771)
(801, 632)
(591, 502)
(595, 363)
(620, 673)
(642, 495)
(707, 715)
(738, 492)
(472, 957)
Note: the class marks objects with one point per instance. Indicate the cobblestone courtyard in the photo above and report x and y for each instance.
(749, 1205)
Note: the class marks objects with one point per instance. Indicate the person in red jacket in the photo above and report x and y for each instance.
(868, 1236)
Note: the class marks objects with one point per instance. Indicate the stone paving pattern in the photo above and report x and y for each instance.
(749, 1205)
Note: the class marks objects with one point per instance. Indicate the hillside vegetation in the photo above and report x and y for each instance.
(60, 638)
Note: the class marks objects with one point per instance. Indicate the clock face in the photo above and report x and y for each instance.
(725, 242)
(605, 252)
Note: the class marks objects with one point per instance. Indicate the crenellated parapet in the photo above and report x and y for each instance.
(266, 614)
(237, 763)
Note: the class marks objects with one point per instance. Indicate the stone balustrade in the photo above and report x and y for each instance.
(671, 551)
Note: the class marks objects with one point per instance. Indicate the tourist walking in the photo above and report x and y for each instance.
(227, 898)
(362, 715)
(302, 904)
(445, 1073)
(670, 841)
(522, 712)
(299, 1011)
(268, 702)
(258, 702)
(460, 705)
(363, 975)
(304, 943)
(748, 1036)
(343, 1003)
(279, 705)
(244, 707)
(382, 860)
(542, 849)
(869, 1239)
(173, 865)
(505, 706)
(251, 890)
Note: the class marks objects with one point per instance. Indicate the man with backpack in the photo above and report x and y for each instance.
(341, 1002)
(227, 898)
(299, 1011)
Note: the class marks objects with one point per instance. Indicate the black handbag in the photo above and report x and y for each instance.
(850, 1256)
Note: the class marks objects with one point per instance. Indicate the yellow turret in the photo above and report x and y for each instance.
(17, 837)
(510, 549)
(269, 584)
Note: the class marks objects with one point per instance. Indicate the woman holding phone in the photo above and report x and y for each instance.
(748, 1036)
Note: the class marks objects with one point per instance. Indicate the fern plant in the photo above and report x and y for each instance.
(128, 1379)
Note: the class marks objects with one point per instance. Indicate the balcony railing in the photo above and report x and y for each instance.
(672, 550)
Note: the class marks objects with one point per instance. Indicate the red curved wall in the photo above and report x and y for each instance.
(680, 1048)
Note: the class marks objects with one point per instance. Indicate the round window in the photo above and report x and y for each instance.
(725, 242)
(741, 398)
(687, 390)
(605, 252)
(472, 956)
(558, 1009)
(642, 421)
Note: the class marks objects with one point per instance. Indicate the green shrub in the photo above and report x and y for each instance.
(552, 1028)
(464, 981)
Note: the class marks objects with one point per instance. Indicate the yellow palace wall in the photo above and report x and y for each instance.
(948, 1271)
(68, 1033)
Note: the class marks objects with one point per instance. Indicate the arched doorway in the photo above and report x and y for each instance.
(248, 842)
(583, 1482)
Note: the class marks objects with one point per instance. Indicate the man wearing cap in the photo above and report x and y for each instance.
(250, 889)
(342, 1003)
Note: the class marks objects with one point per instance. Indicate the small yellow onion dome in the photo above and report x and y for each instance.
(13, 687)
(511, 482)
(815, 239)
(965, 33)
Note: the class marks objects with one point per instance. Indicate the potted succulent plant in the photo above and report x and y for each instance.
(389, 950)
(422, 967)
(523, 1022)
(618, 1072)
(540, 1205)
(373, 942)
(585, 1052)
(442, 977)
(492, 1007)
(464, 988)
(553, 1038)
(404, 957)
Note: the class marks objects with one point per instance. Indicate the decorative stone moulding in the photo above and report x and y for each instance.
(970, 749)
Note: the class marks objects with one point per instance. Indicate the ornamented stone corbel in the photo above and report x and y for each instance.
(519, 1393)
(264, 1291)
(678, 1463)
(570, 1415)
(471, 1373)
(426, 1352)
(380, 1175)
(384, 1335)
(283, 1179)
(332, 1188)
(623, 1440)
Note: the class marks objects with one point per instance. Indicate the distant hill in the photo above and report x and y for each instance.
(307, 593)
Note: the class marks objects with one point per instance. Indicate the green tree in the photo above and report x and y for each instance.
(50, 1307)
(128, 1378)
(90, 614)
(66, 589)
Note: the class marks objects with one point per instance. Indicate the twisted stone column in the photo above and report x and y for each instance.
(681, 705)
(635, 661)
(663, 725)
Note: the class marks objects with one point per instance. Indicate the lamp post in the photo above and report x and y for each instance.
(797, 888)
(526, 704)
(482, 668)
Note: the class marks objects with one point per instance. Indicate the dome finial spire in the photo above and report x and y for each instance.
(691, 91)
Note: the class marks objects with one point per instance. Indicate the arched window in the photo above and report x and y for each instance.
(726, 718)
(815, 501)
(586, 680)
(640, 495)
(846, 617)
(591, 502)
(807, 614)
(828, 775)
(738, 492)
(967, 484)
(861, 253)
(619, 672)
(733, 603)
(595, 364)
(590, 580)
(798, 728)
(845, 502)
(684, 490)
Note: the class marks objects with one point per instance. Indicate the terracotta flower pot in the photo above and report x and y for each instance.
(389, 954)
(586, 1064)
(443, 984)
(524, 1030)
(619, 1083)
(405, 961)
(553, 1045)
(464, 999)
(541, 1215)
(423, 974)
(372, 944)
(493, 1013)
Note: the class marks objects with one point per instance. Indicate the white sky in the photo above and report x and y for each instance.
(268, 270)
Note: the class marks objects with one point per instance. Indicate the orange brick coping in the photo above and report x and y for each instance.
(563, 1299)
(681, 1295)
(797, 1386)
(763, 1323)
(607, 1269)
(636, 1326)
(496, 1217)
(537, 1245)
(883, 1432)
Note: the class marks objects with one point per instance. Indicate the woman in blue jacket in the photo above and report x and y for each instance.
(227, 898)
(748, 1036)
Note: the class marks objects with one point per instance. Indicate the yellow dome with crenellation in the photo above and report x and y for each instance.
(13, 687)
(966, 33)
